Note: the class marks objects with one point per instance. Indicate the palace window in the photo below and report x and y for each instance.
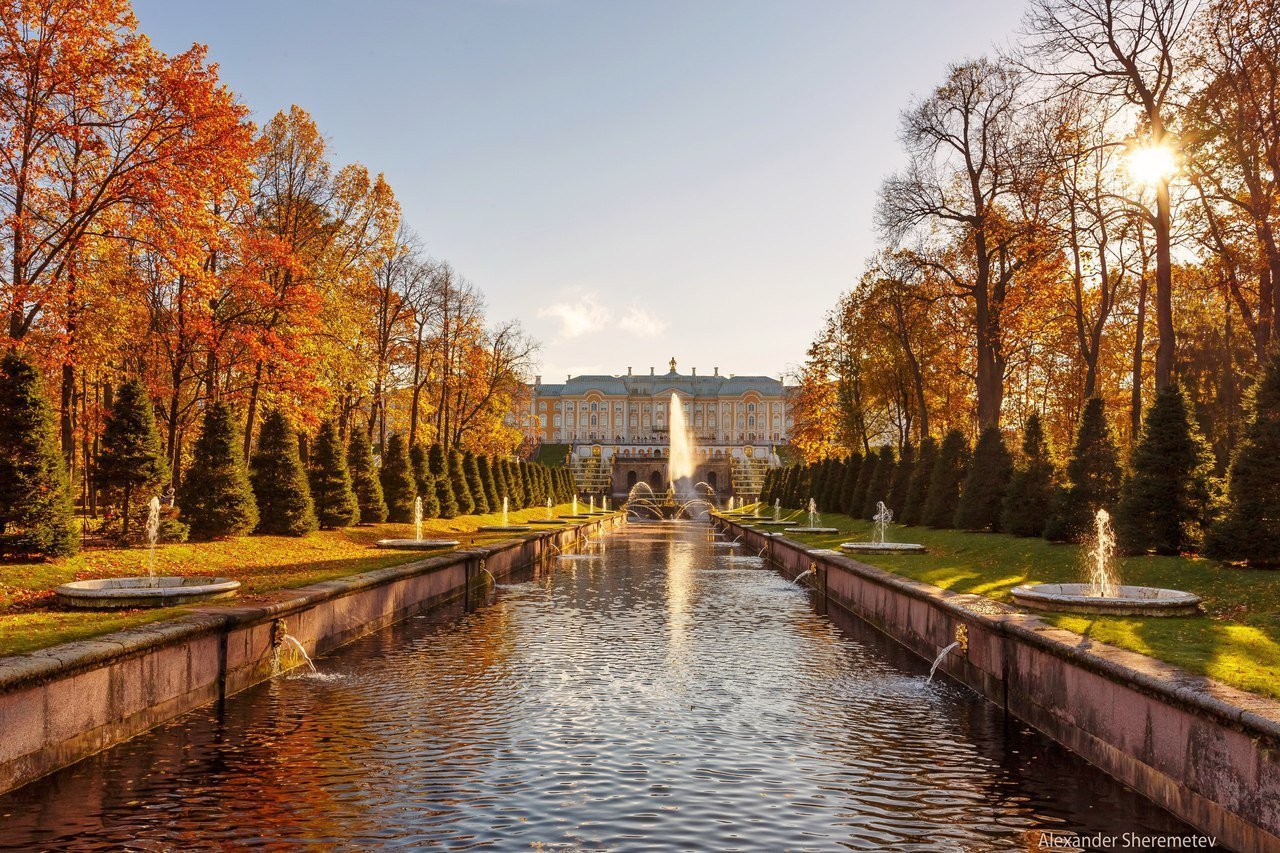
(595, 421)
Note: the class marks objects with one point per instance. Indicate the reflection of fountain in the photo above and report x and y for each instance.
(417, 543)
(880, 543)
(814, 518)
(1104, 593)
(151, 591)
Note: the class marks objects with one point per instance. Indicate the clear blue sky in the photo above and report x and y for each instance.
(632, 180)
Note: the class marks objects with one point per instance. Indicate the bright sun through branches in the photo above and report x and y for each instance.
(1150, 164)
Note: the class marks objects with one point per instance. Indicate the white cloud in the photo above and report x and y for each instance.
(642, 323)
(578, 317)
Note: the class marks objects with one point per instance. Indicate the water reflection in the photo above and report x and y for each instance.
(671, 696)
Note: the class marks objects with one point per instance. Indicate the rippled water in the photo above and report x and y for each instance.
(656, 693)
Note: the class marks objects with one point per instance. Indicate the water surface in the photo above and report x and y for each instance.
(653, 693)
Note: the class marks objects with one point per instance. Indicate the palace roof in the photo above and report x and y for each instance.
(698, 387)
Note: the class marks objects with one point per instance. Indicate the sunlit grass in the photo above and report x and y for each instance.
(1236, 640)
(30, 619)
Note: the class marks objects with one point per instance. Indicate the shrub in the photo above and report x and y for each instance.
(830, 499)
(438, 470)
(1093, 478)
(279, 480)
(902, 477)
(982, 496)
(849, 483)
(131, 465)
(1168, 500)
(35, 502)
(215, 499)
(912, 509)
(863, 486)
(364, 478)
(491, 497)
(1250, 528)
(1029, 498)
(331, 490)
(471, 468)
(424, 481)
(399, 488)
(881, 481)
(944, 481)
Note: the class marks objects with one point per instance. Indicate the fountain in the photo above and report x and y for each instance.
(880, 543)
(417, 543)
(814, 519)
(506, 526)
(777, 521)
(641, 501)
(575, 515)
(550, 518)
(1104, 593)
(149, 591)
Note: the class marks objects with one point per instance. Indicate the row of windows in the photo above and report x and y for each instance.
(635, 407)
(618, 439)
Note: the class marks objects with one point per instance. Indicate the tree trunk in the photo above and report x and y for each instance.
(1135, 402)
(252, 411)
(1164, 289)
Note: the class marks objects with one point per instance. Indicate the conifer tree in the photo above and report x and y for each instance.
(335, 501)
(1250, 528)
(1093, 478)
(520, 486)
(279, 480)
(830, 500)
(491, 497)
(458, 481)
(424, 481)
(399, 487)
(364, 478)
(982, 495)
(438, 470)
(471, 468)
(1029, 498)
(949, 471)
(849, 485)
(860, 490)
(215, 499)
(881, 481)
(131, 465)
(35, 503)
(902, 478)
(912, 510)
(1169, 498)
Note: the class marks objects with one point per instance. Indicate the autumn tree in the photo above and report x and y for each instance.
(279, 480)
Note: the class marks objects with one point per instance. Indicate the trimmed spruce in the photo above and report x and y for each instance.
(215, 499)
(438, 470)
(902, 477)
(491, 497)
(1093, 478)
(331, 490)
(948, 474)
(1168, 500)
(849, 483)
(424, 481)
(1028, 501)
(131, 465)
(1250, 528)
(279, 480)
(982, 495)
(364, 478)
(475, 485)
(35, 502)
(880, 482)
(399, 487)
(912, 508)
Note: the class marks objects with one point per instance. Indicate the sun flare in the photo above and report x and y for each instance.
(1150, 164)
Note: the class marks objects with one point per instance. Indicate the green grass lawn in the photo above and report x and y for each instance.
(1236, 640)
(31, 619)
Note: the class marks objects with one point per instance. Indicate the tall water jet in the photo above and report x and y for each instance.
(883, 518)
(880, 543)
(1103, 582)
(504, 512)
(575, 504)
(777, 509)
(417, 543)
(417, 518)
(680, 464)
(548, 509)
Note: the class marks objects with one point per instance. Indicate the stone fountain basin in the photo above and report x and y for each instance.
(1129, 601)
(779, 523)
(417, 544)
(505, 528)
(813, 530)
(883, 547)
(105, 593)
(546, 521)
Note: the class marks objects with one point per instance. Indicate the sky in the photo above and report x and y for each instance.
(632, 181)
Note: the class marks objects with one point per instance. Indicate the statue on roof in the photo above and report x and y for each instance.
(673, 364)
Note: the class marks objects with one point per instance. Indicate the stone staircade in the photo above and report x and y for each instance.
(591, 476)
(748, 476)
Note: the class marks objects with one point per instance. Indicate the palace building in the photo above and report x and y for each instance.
(616, 427)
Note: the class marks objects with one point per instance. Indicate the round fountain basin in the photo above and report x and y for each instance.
(546, 521)
(505, 528)
(883, 547)
(772, 523)
(417, 544)
(576, 517)
(105, 593)
(1128, 601)
(814, 530)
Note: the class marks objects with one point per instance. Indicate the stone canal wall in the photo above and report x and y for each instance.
(66, 702)
(1203, 751)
